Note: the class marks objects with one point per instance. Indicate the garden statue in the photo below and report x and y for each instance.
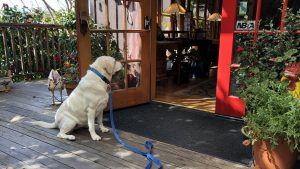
(55, 83)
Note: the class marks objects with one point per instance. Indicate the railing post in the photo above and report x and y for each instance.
(47, 49)
(13, 47)
(35, 51)
(28, 50)
(41, 49)
(5, 47)
(21, 50)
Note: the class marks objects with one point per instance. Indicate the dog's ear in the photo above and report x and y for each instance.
(118, 66)
(109, 66)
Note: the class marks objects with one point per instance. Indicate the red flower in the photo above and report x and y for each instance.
(273, 59)
(68, 53)
(240, 50)
(73, 58)
(56, 58)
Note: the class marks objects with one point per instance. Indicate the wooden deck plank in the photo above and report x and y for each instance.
(21, 157)
(31, 101)
(68, 158)
(8, 161)
(175, 159)
(110, 143)
(85, 152)
(12, 162)
(49, 162)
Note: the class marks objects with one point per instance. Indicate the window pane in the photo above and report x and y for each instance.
(116, 14)
(134, 45)
(101, 16)
(118, 79)
(133, 74)
(98, 45)
(294, 4)
(133, 15)
(270, 10)
(246, 8)
(117, 46)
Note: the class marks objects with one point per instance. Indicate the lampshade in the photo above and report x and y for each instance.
(174, 8)
(215, 17)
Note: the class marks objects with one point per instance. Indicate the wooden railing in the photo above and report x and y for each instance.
(31, 48)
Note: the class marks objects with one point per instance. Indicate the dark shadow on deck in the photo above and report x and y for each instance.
(191, 129)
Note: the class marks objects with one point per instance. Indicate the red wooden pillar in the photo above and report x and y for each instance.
(284, 7)
(83, 40)
(225, 104)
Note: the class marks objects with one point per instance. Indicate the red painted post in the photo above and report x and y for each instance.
(225, 104)
(257, 18)
(284, 7)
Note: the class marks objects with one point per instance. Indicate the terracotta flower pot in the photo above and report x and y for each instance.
(70, 87)
(278, 158)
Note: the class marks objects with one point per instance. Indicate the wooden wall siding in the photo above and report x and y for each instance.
(31, 48)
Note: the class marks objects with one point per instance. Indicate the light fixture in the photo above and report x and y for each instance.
(173, 9)
(215, 17)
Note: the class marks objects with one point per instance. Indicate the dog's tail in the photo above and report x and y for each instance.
(45, 124)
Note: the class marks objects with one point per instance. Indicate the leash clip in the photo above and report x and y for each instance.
(108, 87)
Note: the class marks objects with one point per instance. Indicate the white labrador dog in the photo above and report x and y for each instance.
(86, 102)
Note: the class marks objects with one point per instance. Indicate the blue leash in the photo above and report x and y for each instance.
(148, 144)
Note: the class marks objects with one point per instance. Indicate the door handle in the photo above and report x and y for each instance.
(147, 23)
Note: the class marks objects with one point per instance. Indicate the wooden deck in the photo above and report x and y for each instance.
(25, 146)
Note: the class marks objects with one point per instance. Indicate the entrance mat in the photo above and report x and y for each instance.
(191, 129)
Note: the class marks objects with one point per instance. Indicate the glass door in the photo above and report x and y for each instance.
(121, 30)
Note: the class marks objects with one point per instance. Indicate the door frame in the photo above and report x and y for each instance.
(226, 104)
(129, 96)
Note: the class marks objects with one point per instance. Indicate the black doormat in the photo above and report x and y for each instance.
(191, 129)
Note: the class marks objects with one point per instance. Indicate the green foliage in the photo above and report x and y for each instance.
(272, 113)
(66, 36)
(16, 15)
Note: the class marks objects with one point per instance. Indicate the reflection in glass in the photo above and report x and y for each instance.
(118, 80)
(134, 45)
(133, 15)
(133, 74)
(116, 14)
(99, 45)
(101, 13)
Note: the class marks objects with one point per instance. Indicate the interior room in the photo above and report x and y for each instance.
(187, 47)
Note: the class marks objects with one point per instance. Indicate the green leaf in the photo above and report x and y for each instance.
(290, 52)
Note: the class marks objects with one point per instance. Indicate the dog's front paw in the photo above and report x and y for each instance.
(104, 129)
(95, 137)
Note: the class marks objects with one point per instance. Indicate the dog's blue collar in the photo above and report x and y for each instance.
(99, 75)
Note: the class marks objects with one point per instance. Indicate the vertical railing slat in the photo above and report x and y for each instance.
(35, 50)
(21, 50)
(5, 48)
(13, 47)
(47, 49)
(53, 48)
(58, 49)
(28, 50)
(41, 49)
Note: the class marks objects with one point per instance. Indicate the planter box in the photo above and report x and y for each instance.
(5, 84)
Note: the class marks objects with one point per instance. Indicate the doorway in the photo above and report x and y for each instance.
(187, 53)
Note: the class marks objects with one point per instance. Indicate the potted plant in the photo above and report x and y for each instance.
(272, 120)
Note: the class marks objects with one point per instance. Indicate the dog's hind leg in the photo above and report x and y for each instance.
(66, 127)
